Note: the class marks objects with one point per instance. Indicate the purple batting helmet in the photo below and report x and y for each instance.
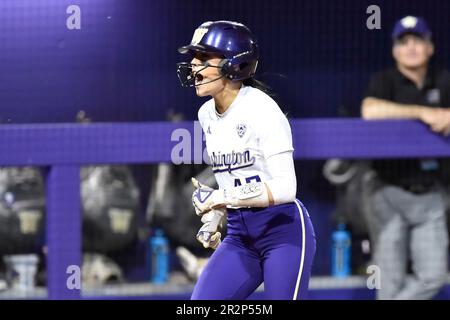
(231, 40)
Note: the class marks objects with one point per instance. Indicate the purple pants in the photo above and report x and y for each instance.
(274, 245)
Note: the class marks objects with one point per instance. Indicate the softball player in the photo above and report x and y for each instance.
(270, 237)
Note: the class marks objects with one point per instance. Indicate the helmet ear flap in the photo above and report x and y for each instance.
(225, 68)
(229, 70)
(238, 68)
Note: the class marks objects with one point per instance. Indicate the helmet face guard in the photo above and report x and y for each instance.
(187, 76)
(232, 40)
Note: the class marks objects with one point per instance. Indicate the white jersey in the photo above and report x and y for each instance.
(240, 140)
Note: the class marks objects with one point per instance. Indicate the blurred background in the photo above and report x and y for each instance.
(121, 67)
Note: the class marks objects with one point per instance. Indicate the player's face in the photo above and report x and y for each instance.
(207, 74)
(412, 51)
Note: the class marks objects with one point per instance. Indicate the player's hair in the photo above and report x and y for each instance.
(252, 82)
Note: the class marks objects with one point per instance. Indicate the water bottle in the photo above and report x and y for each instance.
(341, 252)
(159, 246)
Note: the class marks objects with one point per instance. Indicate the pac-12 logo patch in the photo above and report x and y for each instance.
(241, 129)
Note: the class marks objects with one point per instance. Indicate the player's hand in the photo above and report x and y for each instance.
(206, 198)
(209, 234)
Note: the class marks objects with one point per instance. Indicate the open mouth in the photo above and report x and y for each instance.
(199, 79)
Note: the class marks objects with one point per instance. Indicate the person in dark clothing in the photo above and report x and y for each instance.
(410, 204)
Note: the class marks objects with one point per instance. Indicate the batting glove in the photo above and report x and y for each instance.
(209, 234)
(206, 198)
